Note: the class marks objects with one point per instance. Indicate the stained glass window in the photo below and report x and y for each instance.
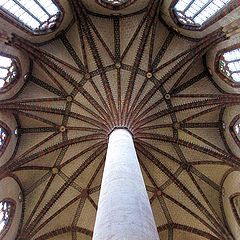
(229, 65)
(3, 136)
(8, 71)
(114, 3)
(197, 12)
(6, 209)
(37, 15)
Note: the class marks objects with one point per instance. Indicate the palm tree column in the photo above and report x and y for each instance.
(124, 210)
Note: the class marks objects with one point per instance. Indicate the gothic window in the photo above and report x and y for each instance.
(6, 214)
(229, 65)
(3, 136)
(196, 13)
(8, 71)
(39, 16)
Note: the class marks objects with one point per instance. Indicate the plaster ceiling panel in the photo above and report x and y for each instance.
(59, 51)
(105, 30)
(87, 218)
(178, 234)
(57, 236)
(37, 144)
(48, 224)
(186, 212)
(211, 195)
(159, 214)
(161, 38)
(128, 28)
(177, 45)
(74, 40)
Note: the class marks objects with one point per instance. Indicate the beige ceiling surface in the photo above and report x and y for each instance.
(112, 71)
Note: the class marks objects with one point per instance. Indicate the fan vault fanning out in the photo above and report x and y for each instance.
(110, 65)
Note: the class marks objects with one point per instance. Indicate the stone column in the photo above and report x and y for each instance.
(124, 211)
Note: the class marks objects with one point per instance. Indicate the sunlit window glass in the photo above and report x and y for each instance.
(196, 13)
(8, 71)
(5, 214)
(236, 129)
(229, 65)
(38, 15)
(3, 136)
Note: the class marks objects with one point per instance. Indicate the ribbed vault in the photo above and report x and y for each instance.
(105, 72)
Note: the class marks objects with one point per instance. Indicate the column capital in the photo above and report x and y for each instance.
(119, 130)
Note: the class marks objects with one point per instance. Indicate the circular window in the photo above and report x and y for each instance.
(7, 209)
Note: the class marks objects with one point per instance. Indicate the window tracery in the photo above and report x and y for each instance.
(6, 215)
(3, 137)
(8, 71)
(195, 13)
(40, 16)
(229, 65)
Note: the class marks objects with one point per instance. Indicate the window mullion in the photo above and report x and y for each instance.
(27, 11)
(40, 5)
(202, 9)
(189, 5)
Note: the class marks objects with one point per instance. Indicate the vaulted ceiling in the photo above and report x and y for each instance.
(130, 71)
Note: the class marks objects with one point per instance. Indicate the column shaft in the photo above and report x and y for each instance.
(124, 211)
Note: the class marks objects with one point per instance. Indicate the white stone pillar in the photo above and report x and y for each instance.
(124, 211)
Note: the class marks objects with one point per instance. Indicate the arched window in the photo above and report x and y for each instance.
(115, 4)
(3, 137)
(196, 13)
(7, 209)
(8, 71)
(39, 16)
(229, 65)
